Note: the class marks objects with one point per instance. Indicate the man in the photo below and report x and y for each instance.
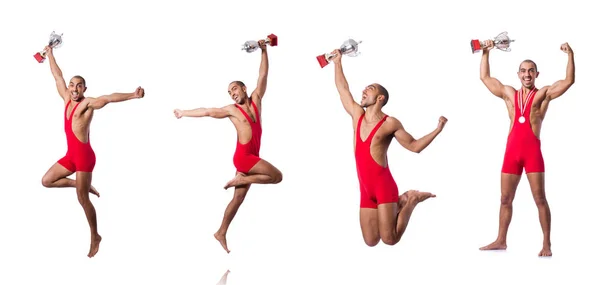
(80, 158)
(383, 214)
(526, 109)
(245, 114)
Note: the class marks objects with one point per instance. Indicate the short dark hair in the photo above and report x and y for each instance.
(238, 83)
(384, 92)
(81, 78)
(529, 61)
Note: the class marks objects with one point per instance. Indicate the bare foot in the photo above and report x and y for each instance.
(235, 181)
(419, 196)
(494, 246)
(222, 240)
(94, 246)
(546, 252)
(94, 191)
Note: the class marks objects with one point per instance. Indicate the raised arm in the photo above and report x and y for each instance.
(492, 84)
(352, 108)
(560, 87)
(410, 143)
(61, 85)
(100, 102)
(263, 72)
(217, 113)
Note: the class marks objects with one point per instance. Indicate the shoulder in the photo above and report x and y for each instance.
(393, 122)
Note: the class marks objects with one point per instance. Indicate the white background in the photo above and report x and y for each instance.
(161, 178)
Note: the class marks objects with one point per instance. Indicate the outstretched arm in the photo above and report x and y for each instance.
(100, 102)
(217, 113)
(410, 143)
(61, 86)
(560, 87)
(492, 84)
(263, 72)
(352, 108)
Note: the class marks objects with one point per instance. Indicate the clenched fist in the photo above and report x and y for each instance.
(566, 48)
(442, 123)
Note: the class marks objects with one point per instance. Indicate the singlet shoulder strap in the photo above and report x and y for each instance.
(256, 112)
(244, 112)
(377, 127)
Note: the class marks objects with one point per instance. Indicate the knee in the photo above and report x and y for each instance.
(506, 200)
(371, 241)
(540, 199)
(389, 239)
(47, 182)
(277, 177)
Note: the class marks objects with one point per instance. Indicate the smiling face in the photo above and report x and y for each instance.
(77, 88)
(528, 73)
(237, 92)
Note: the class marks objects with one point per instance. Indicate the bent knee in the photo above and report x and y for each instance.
(372, 241)
(277, 177)
(390, 240)
(47, 181)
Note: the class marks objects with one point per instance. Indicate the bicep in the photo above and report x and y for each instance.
(403, 137)
(351, 107)
(61, 87)
(220, 113)
(97, 103)
(495, 86)
(261, 86)
(557, 89)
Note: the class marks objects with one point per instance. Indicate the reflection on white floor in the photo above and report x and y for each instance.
(223, 280)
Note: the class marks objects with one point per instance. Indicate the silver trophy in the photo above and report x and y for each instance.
(501, 42)
(252, 46)
(54, 42)
(349, 48)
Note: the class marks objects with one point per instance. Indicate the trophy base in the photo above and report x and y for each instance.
(38, 56)
(322, 60)
(273, 40)
(475, 46)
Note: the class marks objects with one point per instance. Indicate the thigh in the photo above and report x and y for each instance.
(57, 171)
(369, 225)
(388, 218)
(263, 167)
(537, 183)
(508, 185)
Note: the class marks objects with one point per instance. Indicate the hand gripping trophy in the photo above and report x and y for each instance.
(252, 46)
(54, 42)
(501, 42)
(349, 48)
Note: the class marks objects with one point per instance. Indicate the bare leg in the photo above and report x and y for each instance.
(509, 183)
(369, 226)
(391, 225)
(238, 198)
(84, 181)
(262, 173)
(56, 177)
(538, 189)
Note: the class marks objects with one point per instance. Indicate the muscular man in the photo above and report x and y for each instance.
(245, 114)
(383, 214)
(526, 110)
(80, 158)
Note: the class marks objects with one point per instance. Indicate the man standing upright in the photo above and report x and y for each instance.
(527, 108)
